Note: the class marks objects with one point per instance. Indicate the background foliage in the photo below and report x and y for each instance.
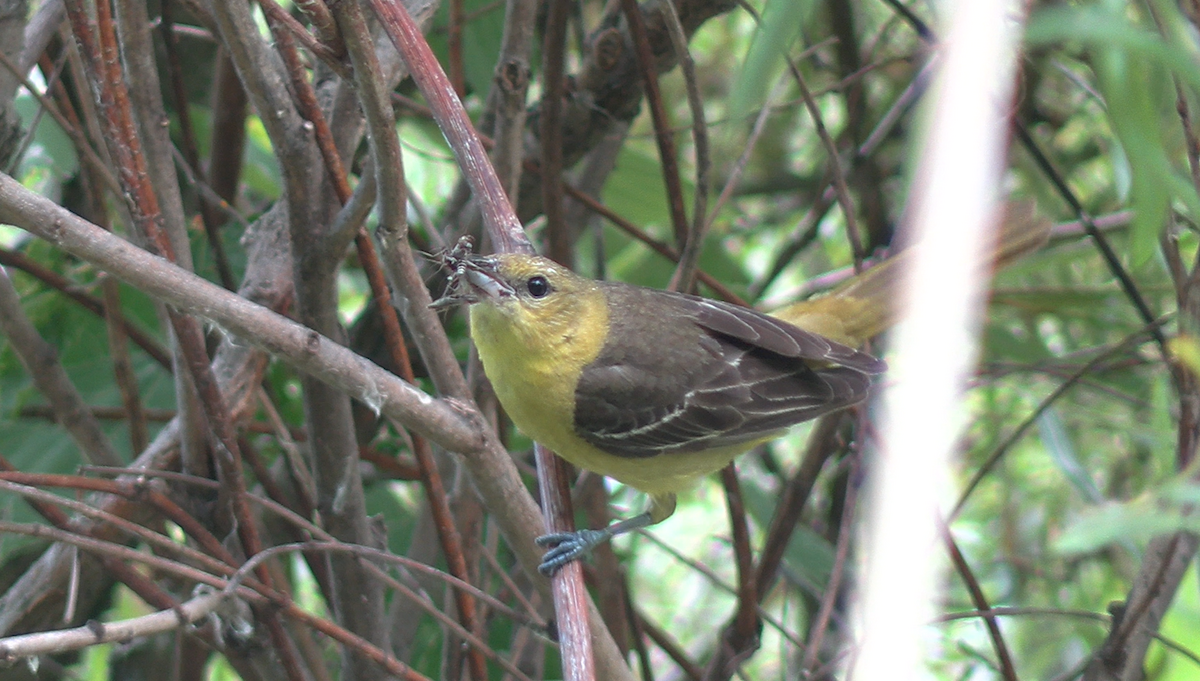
(1083, 430)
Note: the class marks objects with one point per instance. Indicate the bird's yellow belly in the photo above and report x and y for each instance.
(540, 400)
(664, 473)
(543, 419)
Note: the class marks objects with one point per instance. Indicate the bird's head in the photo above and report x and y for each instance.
(534, 297)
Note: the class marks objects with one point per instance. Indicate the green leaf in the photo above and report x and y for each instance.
(1058, 442)
(50, 143)
(781, 24)
(1131, 64)
(1172, 507)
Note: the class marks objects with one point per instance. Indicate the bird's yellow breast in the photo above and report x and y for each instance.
(534, 354)
(533, 357)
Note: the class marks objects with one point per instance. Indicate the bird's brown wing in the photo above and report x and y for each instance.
(721, 376)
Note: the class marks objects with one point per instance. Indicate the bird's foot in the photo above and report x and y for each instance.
(568, 546)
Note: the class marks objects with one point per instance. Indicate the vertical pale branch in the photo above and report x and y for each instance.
(952, 205)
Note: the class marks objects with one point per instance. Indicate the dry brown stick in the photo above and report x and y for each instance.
(138, 583)
(570, 597)
(333, 546)
(684, 276)
(113, 413)
(101, 51)
(835, 166)
(159, 542)
(322, 20)
(116, 554)
(84, 149)
(560, 235)
(454, 42)
(123, 372)
(716, 581)
(657, 246)
(213, 548)
(740, 639)
(329, 52)
(833, 587)
(498, 216)
(508, 94)
(822, 443)
(668, 158)
(357, 601)
(118, 340)
(979, 600)
(303, 348)
(51, 72)
(208, 210)
(670, 646)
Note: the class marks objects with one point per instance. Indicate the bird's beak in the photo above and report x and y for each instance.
(483, 282)
(475, 279)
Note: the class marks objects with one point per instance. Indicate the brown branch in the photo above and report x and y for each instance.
(667, 156)
(454, 30)
(90, 303)
(507, 98)
(570, 597)
(308, 351)
(740, 639)
(833, 588)
(208, 209)
(684, 277)
(822, 443)
(550, 126)
(979, 600)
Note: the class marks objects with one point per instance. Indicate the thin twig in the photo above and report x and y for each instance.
(658, 114)
(560, 235)
(684, 276)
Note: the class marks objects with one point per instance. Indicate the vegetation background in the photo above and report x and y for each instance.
(790, 140)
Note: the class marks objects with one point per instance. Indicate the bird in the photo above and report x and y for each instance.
(652, 388)
(657, 389)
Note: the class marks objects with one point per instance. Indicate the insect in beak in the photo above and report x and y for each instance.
(473, 277)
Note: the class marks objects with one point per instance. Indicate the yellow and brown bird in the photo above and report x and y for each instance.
(652, 388)
(655, 388)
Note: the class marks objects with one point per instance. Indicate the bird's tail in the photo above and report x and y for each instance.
(865, 305)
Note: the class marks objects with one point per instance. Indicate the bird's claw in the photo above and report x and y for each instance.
(566, 547)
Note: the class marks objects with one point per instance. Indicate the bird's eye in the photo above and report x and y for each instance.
(538, 286)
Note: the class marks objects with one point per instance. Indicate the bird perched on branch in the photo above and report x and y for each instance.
(655, 388)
